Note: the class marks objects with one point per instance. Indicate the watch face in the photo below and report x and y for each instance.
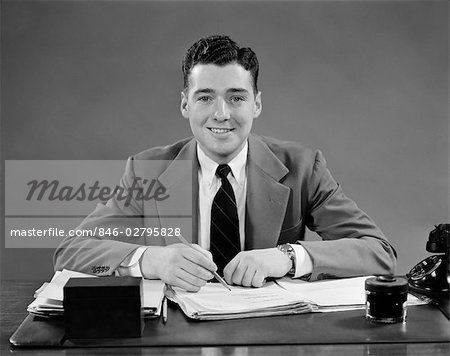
(286, 248)
(289, 251)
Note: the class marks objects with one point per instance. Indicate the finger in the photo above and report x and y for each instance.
(172, 280)
(247, 279)
(190, 279)
(230, 268)
(196, 256)
(238, 273)
(259, 279)
(178, 282)
(196, 270)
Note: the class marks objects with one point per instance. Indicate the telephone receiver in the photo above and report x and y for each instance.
(431, 276)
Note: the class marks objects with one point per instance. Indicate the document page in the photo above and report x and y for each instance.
(334, 294)
(213, 301)
(331, 292)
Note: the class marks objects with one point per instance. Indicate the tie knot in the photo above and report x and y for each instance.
(223, 170)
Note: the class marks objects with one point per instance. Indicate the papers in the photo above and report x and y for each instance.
(214, 302)
(329, 295)
(285, 296)
(54, 289)
(49, 297)
(334, 294)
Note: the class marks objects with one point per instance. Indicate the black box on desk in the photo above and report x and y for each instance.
(103, 307)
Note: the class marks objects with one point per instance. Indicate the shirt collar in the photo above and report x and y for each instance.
(208, 167)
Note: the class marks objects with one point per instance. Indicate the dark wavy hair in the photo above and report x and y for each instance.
(219, 50)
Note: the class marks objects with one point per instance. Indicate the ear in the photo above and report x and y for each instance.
(184, 107)
(257, 106)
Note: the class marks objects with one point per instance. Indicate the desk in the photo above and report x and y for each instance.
(15, 296)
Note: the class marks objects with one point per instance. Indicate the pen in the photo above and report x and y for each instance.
(164, 310)
(220, 279)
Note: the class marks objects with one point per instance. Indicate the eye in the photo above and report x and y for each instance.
(237, 99)
(204, 98)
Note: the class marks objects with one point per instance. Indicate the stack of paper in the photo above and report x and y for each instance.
(49, 297)
(214, 302)
(285, 296)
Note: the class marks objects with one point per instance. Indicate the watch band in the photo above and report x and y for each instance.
(288, 250)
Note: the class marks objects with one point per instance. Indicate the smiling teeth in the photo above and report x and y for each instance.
(220, 130)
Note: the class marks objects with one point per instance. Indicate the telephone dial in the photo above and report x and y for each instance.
(431, 276)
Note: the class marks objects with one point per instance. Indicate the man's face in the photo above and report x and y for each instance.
(220, 105)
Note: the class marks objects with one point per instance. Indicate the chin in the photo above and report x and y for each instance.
(222, 157)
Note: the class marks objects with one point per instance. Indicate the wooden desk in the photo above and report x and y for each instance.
(15, 296)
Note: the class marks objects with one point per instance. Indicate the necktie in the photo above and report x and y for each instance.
(224, 233)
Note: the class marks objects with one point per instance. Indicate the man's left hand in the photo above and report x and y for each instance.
(251, 268)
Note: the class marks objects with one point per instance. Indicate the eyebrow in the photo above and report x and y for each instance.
(210, 91)
(238, 90)
(203, 91)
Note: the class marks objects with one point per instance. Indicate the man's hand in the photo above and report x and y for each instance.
(251, 268)
(178, 265)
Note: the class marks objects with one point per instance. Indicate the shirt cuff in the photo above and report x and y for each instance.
(303, 262)
(130, 265)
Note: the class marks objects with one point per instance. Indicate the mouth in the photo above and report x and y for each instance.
(219, 131)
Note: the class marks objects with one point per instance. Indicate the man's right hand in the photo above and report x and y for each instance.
(178, 265)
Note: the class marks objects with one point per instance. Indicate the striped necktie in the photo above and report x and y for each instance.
(224, 233)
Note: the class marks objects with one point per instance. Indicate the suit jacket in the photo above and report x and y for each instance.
(288, 188)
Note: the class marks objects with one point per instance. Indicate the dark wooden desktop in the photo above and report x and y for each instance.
(16, 295)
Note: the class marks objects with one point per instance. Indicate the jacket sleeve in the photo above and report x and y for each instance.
(103, 252)
(351, 243)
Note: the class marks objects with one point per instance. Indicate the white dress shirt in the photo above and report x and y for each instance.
(209, 184)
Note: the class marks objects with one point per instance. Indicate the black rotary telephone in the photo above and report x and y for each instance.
(431, 276)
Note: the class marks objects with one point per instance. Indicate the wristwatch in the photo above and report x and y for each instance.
(288, 250)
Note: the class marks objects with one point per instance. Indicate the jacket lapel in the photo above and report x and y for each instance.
(267, 199)
(181, 182)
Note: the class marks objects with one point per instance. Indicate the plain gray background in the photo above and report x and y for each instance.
(364, 81)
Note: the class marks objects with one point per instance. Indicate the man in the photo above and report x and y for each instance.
(253, 196)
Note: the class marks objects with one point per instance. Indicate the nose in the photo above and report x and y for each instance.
(221, 112)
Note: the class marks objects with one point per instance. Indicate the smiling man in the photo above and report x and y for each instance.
(254, 196)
